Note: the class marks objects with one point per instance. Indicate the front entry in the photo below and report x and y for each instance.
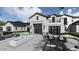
(38, 28)
(55, 30)
(8, 28)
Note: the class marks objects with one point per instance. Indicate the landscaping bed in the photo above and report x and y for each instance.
(76, 34)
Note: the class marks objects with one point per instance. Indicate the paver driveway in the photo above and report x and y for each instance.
(32, 45)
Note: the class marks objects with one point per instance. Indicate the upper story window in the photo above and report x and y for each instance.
(37, 17)
(53, 19)
(16, 28)
(65, 21)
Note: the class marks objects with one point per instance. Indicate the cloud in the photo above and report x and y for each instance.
(61, 12)
(69, 11)
(22, 13)
(75, 14)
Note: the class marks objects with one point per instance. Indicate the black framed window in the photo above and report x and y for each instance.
(53, 19)
(16, 28)
(37, 17)
(65, 21)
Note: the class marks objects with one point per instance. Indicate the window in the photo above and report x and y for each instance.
(53, 19)
(77, 47)
(1, 28)
(8, 28)
(16, 28)
(37, 17)
(72, 20)
(65, 21)
(44, 26)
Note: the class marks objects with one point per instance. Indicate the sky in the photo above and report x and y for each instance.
(23, 13)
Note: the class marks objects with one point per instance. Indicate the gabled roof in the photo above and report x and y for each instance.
(38, 14)
(57, 15)
(72, 16)
(53, 14)
(19, 23)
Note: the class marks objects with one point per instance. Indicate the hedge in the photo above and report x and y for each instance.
(71, 33)
(6, 33)
(19, 31)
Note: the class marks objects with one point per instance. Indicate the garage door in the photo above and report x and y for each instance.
(38, 28)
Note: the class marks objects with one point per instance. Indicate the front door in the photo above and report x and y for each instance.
(38, 28)
(55, 30)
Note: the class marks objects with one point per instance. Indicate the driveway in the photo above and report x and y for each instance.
(35, 44)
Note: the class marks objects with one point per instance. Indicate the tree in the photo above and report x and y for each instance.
(2, 22)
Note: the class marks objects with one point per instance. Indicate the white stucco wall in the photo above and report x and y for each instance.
(13, 28)
(8, 24)
(19, 29)
(69, 20)
(48, 22)
(41, 20)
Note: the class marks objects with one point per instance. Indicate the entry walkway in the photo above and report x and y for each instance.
(35, 44)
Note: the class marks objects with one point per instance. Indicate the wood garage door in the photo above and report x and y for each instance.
(38, 28)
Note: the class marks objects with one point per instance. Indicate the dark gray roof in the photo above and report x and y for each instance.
(57, 15)
(72, 16)
(19, 23)
(38, 14)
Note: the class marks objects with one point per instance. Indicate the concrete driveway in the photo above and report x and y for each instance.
(35, 44)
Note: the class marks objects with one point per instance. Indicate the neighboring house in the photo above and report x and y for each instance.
(1, 28)
(74, 27)
(15, 26)
(53, 24)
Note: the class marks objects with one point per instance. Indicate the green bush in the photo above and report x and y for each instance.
(7, 33)
(71, 33)
(19, 31)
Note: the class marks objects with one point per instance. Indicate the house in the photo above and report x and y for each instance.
(53, 24)
(15, 26)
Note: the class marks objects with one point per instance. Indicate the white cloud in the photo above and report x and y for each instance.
(69, 11)
(75, 14)
(61, 12)
(22, 13)
(74, 8)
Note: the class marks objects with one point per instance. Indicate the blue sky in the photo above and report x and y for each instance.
(22, 13)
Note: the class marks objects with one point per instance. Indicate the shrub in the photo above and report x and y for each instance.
(19, 31)
(7, 33)
(71, 33)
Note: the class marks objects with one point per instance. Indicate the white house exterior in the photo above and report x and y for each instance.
(15, 26)
(54, 24)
